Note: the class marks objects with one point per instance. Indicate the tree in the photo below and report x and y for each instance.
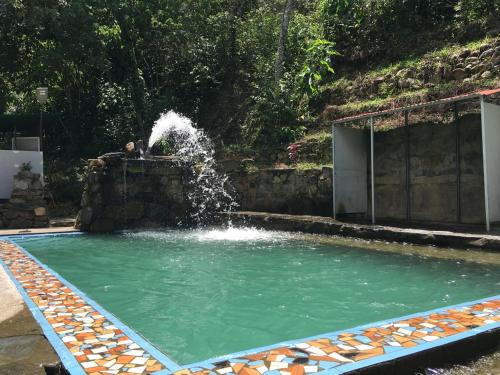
(285, 22)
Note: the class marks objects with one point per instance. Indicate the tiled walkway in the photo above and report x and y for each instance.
(98, 344)
(346, 351)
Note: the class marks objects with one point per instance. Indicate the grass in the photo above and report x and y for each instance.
(309, 165)
(412, 62)
(319, 136)
(406, 98)
(416, 61)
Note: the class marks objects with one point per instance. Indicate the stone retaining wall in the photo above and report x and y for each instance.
(291, 190)
(121, 193)
(26, 207)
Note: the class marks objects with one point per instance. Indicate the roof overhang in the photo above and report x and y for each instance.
(452, 99)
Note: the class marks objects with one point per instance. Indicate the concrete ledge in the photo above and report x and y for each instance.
(326, 225)
(50, 230)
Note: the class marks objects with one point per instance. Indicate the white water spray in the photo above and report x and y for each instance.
(208, 191)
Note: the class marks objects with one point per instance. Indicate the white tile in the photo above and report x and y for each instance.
(340, 358)
(302, 345)
(69, 338)
(137, 370)
(403, 331)
(139, 360)
(262, 369)
(110, 364)
(314, 350)
(345, 347)
(309, 369)
(134, 346)
(363, 347)
(430, 338)
(100, 349)
(135, 353)
(224, 370)
(88, 364)
(393, 343)
(277, 365)
(108, 336)
(93, 357)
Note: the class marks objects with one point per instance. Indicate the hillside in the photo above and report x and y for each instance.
(453, 70)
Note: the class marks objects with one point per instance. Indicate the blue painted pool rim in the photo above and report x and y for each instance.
(67, 358)
(74, 368)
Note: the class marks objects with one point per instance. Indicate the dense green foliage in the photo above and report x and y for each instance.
(112, 66)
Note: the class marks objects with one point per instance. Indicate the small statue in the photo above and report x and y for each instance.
(135, 150)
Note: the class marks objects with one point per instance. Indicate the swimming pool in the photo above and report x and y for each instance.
(197, 294)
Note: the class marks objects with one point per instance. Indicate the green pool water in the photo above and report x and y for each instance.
(201, 293)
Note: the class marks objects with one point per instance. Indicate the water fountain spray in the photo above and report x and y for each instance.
(209, 190)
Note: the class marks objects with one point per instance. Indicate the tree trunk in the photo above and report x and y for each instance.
(136, 81)
(280, 55)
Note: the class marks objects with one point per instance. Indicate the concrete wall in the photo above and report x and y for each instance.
(433, 177)
(10, 162)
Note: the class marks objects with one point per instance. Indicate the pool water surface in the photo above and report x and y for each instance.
(197, 294)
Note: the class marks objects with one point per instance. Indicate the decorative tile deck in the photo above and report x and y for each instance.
(341, 352)
(99, 344)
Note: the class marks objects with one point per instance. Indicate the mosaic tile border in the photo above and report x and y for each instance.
(333, 353)
(360, 347)
(88, 339)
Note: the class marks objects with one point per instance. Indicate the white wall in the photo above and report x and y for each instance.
(10, 162)
(491, 142)
(350, 170)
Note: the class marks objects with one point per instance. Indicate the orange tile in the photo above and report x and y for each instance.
(154, 368)
(124, 359)
(296, 370)
(248, 371)
(237, 367)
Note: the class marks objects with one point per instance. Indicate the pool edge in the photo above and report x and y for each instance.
(74, 367)
(68, 360)
(357, 329)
